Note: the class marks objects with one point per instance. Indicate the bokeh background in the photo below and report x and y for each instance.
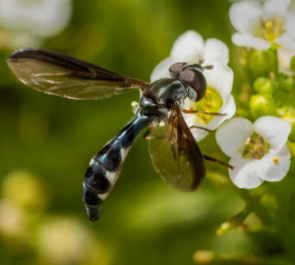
(46, 144)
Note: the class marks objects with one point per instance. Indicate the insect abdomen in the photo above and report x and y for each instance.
(106, 166)
(101, 176)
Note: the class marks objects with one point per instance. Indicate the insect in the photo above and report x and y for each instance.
(174, 152)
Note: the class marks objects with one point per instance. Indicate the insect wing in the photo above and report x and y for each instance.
(175, 153)
(61, 75)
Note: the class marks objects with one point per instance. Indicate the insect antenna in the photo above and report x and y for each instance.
(208, 67)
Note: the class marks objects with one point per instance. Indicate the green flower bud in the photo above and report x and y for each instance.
(281, 98)
(261, 105)
(261, 63)
(286, 83)
(264, 85)
(292, 65)
(283, 111)
(291, 119)
(242, 109)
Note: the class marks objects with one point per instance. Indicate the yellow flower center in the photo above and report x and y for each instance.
(255, 147)
(269, 29)
(212, 102)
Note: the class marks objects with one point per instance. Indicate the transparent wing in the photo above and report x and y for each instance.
(175, 153)
(61, 75)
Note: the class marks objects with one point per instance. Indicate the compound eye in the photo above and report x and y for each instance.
(196, 82)
(176, 68)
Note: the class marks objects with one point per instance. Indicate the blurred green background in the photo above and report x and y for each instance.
(47, 143)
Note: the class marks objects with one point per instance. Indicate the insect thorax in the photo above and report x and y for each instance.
(160, 95)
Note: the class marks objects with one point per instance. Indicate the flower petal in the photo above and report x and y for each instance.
(274, 167)
(274, 130)
(215, 50)
(42, 18)
(220, 78)
(229, 108)
(232, 135)
(244, 14)
(284, 58)
(286, 41)
(162, 69)
(244, 173)
(188, 47)
(290, 25)
(247, 40)
(278, 7)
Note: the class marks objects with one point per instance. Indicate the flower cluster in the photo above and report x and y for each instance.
(258, 151)
(261, 27)
(267, 33)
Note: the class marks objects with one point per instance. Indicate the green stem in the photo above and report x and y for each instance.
(276, 69)
(252, 202)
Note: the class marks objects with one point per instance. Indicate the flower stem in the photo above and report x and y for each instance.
(276, 64)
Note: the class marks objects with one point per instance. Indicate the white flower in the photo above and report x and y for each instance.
(190, 47)
(258, 152)
(42, 18)
(64, 240)
(260, 27)
(284, 58)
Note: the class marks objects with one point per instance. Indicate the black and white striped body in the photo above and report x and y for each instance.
(106, 165)
(179, 161)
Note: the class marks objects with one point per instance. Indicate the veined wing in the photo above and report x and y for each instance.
(175, 153)
(61, 75)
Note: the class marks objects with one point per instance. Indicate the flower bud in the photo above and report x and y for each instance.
(264, 85)
(224, 227)
(262, 62)
(242, 109)
(261, 105)
(281, 98)
(286, 83)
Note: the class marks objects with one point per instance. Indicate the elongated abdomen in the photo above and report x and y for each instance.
(106, 166)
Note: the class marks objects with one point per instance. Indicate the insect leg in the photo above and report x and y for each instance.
(200, 127)
(218, 161)
(203, 112)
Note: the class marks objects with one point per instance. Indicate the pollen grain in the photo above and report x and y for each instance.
(275, 160)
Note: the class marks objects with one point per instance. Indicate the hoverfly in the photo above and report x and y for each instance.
(174, 152)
